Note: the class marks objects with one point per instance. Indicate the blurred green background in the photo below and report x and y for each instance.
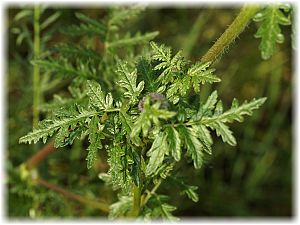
(253, 179)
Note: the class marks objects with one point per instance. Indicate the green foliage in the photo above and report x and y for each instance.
(128, 81)
(271, 18)
(146, 123)
(88, 26)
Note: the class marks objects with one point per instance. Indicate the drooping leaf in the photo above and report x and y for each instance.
(271, 17)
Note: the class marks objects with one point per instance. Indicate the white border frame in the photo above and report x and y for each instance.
(3, 110)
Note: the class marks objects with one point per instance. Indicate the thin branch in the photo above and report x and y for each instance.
(95, 204)
(40, 155)
(150, 193)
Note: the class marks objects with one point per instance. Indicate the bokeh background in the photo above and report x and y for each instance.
(253, 179)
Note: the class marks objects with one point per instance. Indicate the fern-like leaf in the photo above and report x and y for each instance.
(97, 97)
(128, 81)
(269, 31)
(47, 128)
(156, 153)
(128, 40)
(193, 145)
(95, 140)
(88, 26)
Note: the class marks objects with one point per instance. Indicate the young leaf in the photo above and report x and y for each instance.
(97, 97)
(200, 74)
(146, 73)
(269, 31)
(156, 153)
(151, 113)
(128, 81)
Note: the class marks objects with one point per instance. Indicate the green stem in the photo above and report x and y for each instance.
(136, 202)
(231, 33)
(150, 193)
(36, 69)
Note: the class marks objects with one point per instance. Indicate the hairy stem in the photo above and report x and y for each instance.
(36, 69)
(231, 33)
(95, 204)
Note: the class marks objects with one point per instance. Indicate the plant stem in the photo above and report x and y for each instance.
(40, 155)
(95, 204)
(36, 69)
(136, 201)
(231, 33)
(150, 193)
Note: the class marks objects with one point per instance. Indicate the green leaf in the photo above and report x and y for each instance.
(174, 143)
(168, 64)
(151, 113)
(95, 140)
(84, 53)
(65, 68)
(205, 137)
(118, 167)
(97, 97)
(128, 40)
(200, 74)
(189, 190)
(236, 113)
(89, 27)
(156, 153)
(193, 145)
(48, 127)
(23, 14)
(128, 81)
(50, 19)
(223, 131)
(269, 30)
(121, 208)
(146, 73)
(120, 14)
